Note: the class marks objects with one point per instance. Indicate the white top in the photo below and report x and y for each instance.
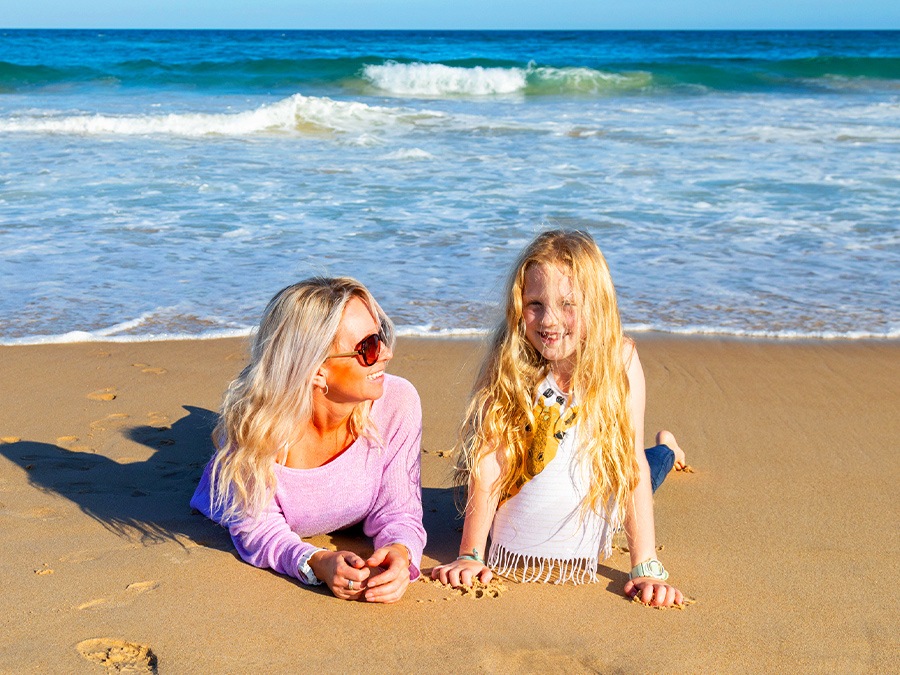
(542, 532)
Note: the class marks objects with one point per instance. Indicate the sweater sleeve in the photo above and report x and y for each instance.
(396, 516)
(267, 541)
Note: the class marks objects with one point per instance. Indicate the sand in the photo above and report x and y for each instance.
(785, 537)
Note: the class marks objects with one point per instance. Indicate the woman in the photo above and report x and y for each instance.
(314, 437)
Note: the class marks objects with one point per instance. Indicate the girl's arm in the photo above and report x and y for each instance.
(639, 526)
(480, 509)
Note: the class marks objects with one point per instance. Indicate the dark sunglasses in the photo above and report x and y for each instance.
(369, 348)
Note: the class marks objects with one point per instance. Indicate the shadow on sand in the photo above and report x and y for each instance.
(145, 501)
(148, 501)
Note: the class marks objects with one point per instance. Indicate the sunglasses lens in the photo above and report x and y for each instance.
(370, 348)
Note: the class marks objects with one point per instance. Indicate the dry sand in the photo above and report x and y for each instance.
(786, 535)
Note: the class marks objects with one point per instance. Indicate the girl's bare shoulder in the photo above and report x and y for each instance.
(629, 351)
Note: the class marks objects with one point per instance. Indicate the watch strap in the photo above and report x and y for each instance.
(305, 572)
(652, 569)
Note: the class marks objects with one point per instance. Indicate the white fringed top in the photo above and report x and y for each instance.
(542, 533)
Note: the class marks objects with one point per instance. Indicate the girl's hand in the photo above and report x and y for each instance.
(462, 573)
(653, 592)
(392, 566)
(344, 572)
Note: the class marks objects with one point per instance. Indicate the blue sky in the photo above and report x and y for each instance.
(466, 14)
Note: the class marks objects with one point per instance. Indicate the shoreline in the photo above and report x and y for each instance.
(780, 536)
(474, 334)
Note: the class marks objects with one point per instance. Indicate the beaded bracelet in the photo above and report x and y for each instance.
(472, 556)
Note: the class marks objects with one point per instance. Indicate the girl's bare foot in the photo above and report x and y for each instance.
(668, 438)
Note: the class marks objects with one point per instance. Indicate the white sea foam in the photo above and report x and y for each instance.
(586, 80)
(435, 79)
(296, 114)
(86, 336)
(410, 153)
(428, 331)
(891, 334)
(164, 323)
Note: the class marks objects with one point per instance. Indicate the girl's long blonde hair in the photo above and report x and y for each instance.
(269, 405)
(500, 412)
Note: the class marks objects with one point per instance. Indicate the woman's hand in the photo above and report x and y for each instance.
(390, 574)
(462, 573)
(653, 592)
(344, 572)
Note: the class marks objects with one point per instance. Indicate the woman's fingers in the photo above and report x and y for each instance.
(353, 560)
(391, 591)
(397, 566)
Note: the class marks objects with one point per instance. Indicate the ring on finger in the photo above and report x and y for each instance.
(350, 584)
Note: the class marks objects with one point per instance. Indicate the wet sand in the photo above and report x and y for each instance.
(785, 536)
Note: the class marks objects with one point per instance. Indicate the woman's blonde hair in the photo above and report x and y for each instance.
(500, 412)
(270, 403)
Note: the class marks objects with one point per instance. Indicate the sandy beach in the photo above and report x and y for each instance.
(784, 538)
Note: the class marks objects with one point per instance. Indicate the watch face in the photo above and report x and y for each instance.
(656, 568)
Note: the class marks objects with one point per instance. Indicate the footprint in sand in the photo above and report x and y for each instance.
(66, 439)
(109, 421)
(687, 601)
(126, 597)
(150, 370)
(107, 394)
(477, 591)
(43, 513)
(142, 586)
(118, 656)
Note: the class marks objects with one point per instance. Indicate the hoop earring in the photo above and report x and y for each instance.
(325, 393)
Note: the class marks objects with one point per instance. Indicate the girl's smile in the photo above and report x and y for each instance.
(550, 313)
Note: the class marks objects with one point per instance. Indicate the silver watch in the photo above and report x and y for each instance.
(305, 572)
(651, 568)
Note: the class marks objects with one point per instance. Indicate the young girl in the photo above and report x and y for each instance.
(549, 447)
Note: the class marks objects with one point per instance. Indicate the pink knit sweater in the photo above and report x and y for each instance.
(377, 486)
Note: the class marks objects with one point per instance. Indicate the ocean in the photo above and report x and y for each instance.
(159, 184)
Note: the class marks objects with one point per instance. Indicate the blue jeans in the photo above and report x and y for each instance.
(661, 460)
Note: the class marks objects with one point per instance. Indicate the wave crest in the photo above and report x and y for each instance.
(297, 114)
(437, 79)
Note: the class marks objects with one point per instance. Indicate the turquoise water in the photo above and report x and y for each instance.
(160, 183)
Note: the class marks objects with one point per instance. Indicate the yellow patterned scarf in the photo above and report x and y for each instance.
(550, 429)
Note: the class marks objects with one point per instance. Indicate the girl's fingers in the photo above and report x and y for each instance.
(662, 593)
(670, 596)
